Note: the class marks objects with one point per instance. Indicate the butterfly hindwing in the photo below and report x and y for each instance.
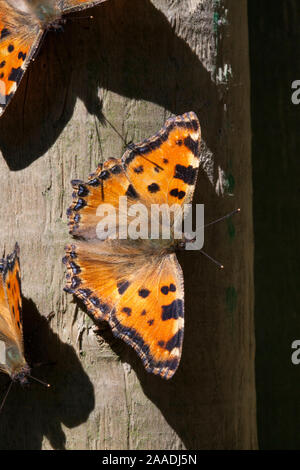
(150, 315)
(142, 301)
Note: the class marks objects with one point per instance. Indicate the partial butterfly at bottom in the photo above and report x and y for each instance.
(136, 285)
(12, 359)
(23, 24)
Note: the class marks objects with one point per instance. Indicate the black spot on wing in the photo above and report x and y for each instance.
(127, 310)
(175, 341)
(75, 268)
(192, 145)
(75, 282)
(144, 293)
(104, 175)
(10, 48)
(95, 301)
(192, 125)
(139, 169)
(116, 170)
(80, 204)
(2, 64)
(85, 292)
(22, 55)
(173, 310)
(15, 74)
(153, 188)
(179, 194)
(94, 182)
(185, 173)
(4, 33)
(123, 286)
(131, 192)
(82, 190)
(166, 289)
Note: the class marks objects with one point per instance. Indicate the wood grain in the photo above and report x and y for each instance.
(133, 65)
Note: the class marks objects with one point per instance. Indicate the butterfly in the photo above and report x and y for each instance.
(136, 285)
(12, 360)
(23, 24)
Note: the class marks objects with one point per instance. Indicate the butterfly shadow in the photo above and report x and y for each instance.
(188, 400)
(36, 412)
(129, 48)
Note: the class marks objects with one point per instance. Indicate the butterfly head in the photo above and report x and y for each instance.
(16, 365)
(21, 375)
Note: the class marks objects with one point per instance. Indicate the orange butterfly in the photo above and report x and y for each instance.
(23, 23)
(12, 360)
(136, 285)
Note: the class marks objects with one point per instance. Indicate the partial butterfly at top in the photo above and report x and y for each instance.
(23, 23)
(136, 285)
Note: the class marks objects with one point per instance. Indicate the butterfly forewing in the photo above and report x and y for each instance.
(163, 169)
(105, 186)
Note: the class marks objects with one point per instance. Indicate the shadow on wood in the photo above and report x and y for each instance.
(33, 412)
(125, 49)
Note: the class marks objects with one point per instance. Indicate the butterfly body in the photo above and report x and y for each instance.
(12, 360)
(23, 24)
(135, 283)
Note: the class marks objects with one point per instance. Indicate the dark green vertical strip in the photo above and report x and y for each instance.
(274, 29)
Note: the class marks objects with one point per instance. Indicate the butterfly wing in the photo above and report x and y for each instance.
(105, 186)
(11, 309)
(163, 169)
(74, 5)
(141, 299)
(19, 38)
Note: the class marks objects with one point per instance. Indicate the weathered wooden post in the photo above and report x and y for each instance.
(135, 63)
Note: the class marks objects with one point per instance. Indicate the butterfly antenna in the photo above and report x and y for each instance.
(212, 259)
(76, 18)
(6, 395)
(40, 381)
(212, 223)
(98, 136)
(222, 218)
(128, 145)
